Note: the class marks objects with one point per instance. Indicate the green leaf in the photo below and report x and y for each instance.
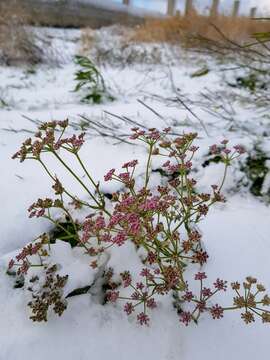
(201, 72)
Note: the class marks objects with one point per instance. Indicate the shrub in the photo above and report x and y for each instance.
(161, 222)
(90, 79)
(17, 41)
(256, 169)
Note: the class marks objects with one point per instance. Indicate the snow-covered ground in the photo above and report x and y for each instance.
(236, 234)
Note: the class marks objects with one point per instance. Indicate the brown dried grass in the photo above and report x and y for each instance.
(17, 41)
(190, 30)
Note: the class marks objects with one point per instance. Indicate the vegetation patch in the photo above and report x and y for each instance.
(256, 170)
(90, 79)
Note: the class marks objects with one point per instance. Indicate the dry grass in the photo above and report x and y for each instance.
(190, 30)
(17, 41)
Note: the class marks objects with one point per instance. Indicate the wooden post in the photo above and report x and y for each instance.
(171, 7)
(189, 7)
(214, 8)
(126, 2)
(253, 12)
(236, 7)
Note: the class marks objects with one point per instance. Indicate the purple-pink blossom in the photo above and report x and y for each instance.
(109, 175)
(200, 276)
(185, 317)
(120, 238)
(143, 319)
(216, 312)
(128, 308)
(112, 296)
(220, 284)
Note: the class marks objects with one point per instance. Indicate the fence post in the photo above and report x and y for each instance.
(214, 8)
(236, 7)
(171, 7)
(189, 7)
(126, 2)
(253, 12)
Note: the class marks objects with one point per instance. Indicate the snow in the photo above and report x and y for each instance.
(235, 234)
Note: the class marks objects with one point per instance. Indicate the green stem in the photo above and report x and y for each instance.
(77, 178)
(147, 176)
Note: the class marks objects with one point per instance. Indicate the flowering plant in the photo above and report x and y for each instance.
(161, 221)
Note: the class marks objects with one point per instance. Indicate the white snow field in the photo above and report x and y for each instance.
(235, 234)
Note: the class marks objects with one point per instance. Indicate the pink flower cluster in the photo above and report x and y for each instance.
(47, 140)
(161, 220)
(223, 151)
(201, 302)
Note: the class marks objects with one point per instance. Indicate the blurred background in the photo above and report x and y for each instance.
(202, 5)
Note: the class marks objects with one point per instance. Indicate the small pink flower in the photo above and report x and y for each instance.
(106, 238)
(143, 319)
(24, 267)
(115, 219)
(112, 296)
(135, 228)
(100, 223)
(126, 277)
(132, 164)
(11, 264)
(109, 175)
(185, 317)
(173, 168)
(151, 303)
(128, 308)
(167, 130)
(201, 306)
(120, 238)
(135, 295)
(137, 133)
(216, 312)
(127, 202)
(132, 218)
(200, 276)
(85, 237)
(166, 164)
(32, 214)
(200, 257)
(194, 148)
(76, 141)
(145, 272)
(151, 204)
(227, 151)
(139, 286)
(224, 142)
(124, 176)
(214, 149)
(151, 258)
(239, 149)
(220, 284)
(40, 213)
(134, 136)
(154, 134)
(206, 292)
(188, 296)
